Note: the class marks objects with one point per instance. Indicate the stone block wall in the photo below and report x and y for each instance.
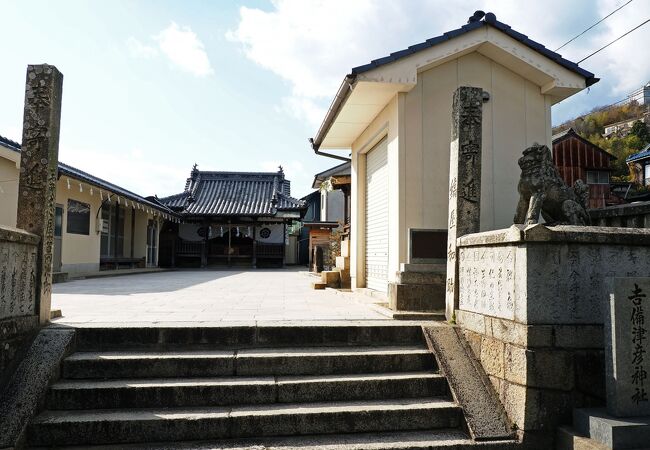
(540, 372)
(531, 307)
(19, 321)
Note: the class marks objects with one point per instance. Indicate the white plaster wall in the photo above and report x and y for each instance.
(9, 173)
(418, 127)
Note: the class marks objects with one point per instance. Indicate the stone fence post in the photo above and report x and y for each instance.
(38, 172)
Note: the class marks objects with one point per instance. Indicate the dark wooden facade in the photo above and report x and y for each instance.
(231, 218)
(578, 159)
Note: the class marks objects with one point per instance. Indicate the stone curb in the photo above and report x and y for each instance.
(28, 387)
(484, 414)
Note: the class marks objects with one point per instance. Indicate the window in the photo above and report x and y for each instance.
(78, 217)
(597, 177)
(112, 239)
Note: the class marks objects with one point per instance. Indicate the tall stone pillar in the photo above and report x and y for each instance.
(464, 181)
(38, 171)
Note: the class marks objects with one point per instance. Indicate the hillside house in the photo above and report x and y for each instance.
(576, 158)
(394, 115)
(639, 165)
(623, 128)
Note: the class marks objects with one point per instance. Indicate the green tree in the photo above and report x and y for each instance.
(640, 130)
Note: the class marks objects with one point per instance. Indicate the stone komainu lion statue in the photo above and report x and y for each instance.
(542, 190)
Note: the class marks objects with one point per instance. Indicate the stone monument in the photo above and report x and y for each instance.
(38, 171)
(625, 423)
(464, 180)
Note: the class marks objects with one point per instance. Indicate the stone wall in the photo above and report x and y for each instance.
(531, 303)
(632, 215)
(18, 319)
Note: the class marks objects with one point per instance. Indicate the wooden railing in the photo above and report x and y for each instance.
(270, 250)
(188, 248)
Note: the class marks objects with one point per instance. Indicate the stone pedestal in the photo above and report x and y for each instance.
(419, 287)
(532, 307)
(616, 433)
(38, 172)
(464, 180)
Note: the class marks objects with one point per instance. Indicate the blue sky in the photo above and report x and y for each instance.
(152, 87)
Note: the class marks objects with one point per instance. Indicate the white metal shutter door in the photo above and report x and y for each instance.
(377, 217)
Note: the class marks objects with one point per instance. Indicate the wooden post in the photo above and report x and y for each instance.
(204, 246)
(38, 172)
(464, 181)
(254, 244)
(229, 240)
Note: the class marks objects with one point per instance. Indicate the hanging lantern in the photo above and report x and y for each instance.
(249, 232)
(81, 189)
(91, 191)
(221, 231)
(68, 180)
(237, 231)
(101, 196)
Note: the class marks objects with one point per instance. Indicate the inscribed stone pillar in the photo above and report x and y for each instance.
(464, 180)
(627, 347)
(38, 171)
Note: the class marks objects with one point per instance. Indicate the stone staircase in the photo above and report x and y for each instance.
(239, 387)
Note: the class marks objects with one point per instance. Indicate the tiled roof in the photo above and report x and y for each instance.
(645, 153)
(235, 193)
(72, 172)
(478, 21)
(341, 170)
(570, 132)
(12, 145)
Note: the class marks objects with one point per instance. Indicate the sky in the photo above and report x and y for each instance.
(152, 87)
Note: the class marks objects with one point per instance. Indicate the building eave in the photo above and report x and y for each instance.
(351, 110)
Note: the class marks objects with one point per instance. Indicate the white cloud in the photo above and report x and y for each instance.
(139, 50)
(312, 44)
(302, 107)
(134, 169)
(184, 49)
(180, 45)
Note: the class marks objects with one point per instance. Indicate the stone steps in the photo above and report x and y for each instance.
(139, 425)
(274, 361)
(448, 439)
(221, 391)
(249, 336)
(308, 387)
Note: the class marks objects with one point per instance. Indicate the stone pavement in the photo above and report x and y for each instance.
(205, 296)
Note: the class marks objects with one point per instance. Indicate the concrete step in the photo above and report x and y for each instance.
(438, 278)
(180, 392)
(439, 267)
(91, 338)
(331, 278)
(448, 439)
(416, 297)
(318, 285)
(272, 361)
(174, 424)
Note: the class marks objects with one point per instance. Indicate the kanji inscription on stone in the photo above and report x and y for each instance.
(38, 171)
(627, 347)
(464, 179)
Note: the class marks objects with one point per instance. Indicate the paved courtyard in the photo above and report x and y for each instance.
(205, 296)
